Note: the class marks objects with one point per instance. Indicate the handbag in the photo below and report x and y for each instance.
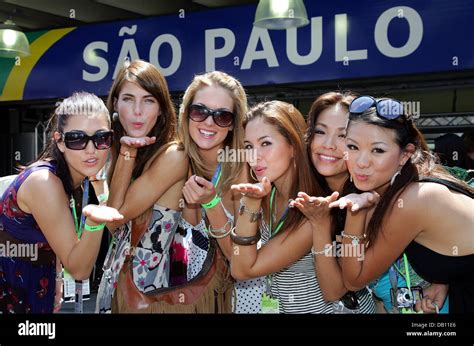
(209, 292)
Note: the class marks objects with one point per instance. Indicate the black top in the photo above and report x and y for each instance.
(456, 271)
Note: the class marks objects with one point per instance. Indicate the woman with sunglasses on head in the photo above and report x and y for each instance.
(35, 210)
(147, 174)
(326, 146)
(210, 125)
(409, 208)
(275, 130)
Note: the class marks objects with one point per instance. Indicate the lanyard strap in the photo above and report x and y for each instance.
(85, 201)
(78, 303)
(282, 219)
(217, 175)
(407, 271)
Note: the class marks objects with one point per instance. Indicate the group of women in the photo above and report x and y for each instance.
(328, 215)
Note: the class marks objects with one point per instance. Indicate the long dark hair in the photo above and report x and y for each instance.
(291, 125)
(79, 103)
(323, 102)
(422, 163)
(148, 77)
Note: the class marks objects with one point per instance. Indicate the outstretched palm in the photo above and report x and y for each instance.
(314, 208)
(356, 201)
(257, 191)
(137, 142)
(101, 213)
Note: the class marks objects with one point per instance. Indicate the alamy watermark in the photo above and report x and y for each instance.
(37, 329)
(19, 250)
(410, 108)
(337, 249)
(236, 155)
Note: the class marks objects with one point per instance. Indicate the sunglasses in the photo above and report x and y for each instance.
(199, 113)
(78, 140)
(350, 301)
(386, 108)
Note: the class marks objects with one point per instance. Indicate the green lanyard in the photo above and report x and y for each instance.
(269, 279)
(85, 201)
(74, 215)
(282, 219)
(407, 272)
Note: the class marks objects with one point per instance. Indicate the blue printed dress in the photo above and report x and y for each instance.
(27, 285)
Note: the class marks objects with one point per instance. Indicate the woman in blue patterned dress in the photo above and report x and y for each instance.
(35, 209)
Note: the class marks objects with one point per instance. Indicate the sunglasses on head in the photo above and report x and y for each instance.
(386, 108)
(350, 300)
(222, 118)
(78, 140)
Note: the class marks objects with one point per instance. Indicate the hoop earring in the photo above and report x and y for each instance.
(397, 173)
(115, 116)
(253, 176)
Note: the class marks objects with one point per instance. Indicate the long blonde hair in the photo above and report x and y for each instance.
(234, 139)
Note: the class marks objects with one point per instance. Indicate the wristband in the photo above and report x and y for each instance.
(212, 203)
(245, 241)
(94, 228)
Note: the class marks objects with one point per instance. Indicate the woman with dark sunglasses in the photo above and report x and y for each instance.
(147, 174)
(408, 207)
(210, 125)
(35, 210)
(326, 146)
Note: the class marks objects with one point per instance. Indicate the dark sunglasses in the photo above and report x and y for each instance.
(199, 113)
(350, 301)
(78, 140)
(386, 108)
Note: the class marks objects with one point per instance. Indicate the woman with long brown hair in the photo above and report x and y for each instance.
(275, 130)
(147, 174)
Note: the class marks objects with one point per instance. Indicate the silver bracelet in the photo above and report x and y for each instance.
(355, 238)
(326, 252)
(254, 215)
(221, 232)
(59, 275)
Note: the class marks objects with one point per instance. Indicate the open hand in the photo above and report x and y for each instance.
(257, 190)
(355, 201)
(137, 142)
(101, 213)
(314, 208)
